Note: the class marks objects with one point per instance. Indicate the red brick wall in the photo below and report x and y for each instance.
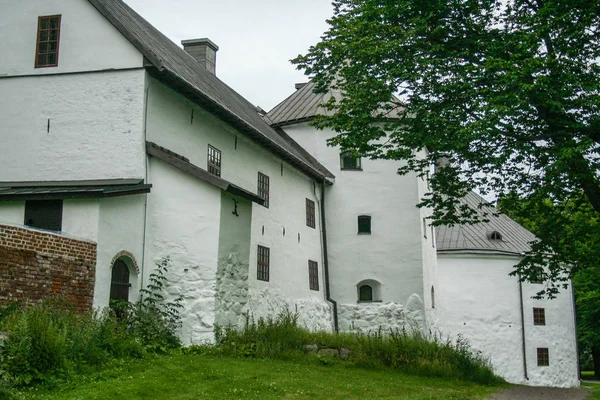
(36, 265)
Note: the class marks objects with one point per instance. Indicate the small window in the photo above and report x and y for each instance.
(313, 275)
(44, 214)
(310, 213)
(543, 359)
(432, 297)
(365, 293)
(119, 282)
(424, 228)
(48, 37)
(214, 160)
(263, 258)
(432, 237)
(263, 188)
(364, 224)
(349, 161)
(539, 316)
(494, 235)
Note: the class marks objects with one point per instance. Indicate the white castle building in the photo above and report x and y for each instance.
(113, 135)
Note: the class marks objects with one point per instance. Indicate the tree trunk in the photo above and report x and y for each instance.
(596, 358)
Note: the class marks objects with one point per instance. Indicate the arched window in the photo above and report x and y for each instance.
(432, 297)
(494, 235)
(119, 282)
(365, 293)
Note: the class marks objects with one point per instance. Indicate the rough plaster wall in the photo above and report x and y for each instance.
(95, 127)
(481, 303)
(384, 317)
(87, 40)
(12, 212)
(183, 224)
(81, 218)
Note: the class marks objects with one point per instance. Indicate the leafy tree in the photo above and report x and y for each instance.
(505, 92)
(571, 230)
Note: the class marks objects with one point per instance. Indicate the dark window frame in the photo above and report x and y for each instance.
(213, 160)
(44, 214)
(539, 316)
(120, 281)
(348, 162)
(263, 188)
(263, 263)
(310, 214)
(368, 293)
(543, 357)
(313, 275)
(43, 40)
(364, 224)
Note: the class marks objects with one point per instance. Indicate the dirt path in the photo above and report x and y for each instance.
(540, 393)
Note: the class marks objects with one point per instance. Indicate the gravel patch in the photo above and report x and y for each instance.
(540, 393)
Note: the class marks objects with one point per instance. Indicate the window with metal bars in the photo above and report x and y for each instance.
(539, 316)
(543, 359)
(214, 160)
(263, 188)
(48, 36)
(310, 213)
(262, 264)
(313, 275)
(349, 161)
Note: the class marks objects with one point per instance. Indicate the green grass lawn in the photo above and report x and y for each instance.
(180, 377)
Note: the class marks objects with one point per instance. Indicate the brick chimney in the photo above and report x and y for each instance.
(204, 51)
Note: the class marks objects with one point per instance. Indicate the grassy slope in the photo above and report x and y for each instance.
(180, 377)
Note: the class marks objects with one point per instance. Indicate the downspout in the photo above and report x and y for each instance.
(145, 181)
(325, 259)
(574, 306)
(523, 329)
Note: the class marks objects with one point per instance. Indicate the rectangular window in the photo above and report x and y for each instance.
(48, 36)
(313, 275)
(424, 228)
(310, 213)
(262, 264)
(432, 237)
(44, 214)
(214, 160)
(539, 316)
(349, 161)
(542, 357)
(364, 224)
(263, 188)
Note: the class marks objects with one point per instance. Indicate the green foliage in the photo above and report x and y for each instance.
(282, 338)
(507, 92)
(152, 319)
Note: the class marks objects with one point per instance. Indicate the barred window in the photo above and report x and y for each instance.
(349, 161)
(263, 257)
(313, 275)
(539, 316)
(263, 188)
(48, 35)
(543, 359)
(364, 224)
(214, 160)
(310, 213)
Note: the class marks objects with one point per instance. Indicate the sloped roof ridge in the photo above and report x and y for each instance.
(177, 67)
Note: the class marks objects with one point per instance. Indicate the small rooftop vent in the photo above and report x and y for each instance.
(494, 235)
(300, 85)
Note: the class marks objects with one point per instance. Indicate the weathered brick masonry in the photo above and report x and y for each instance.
(37, 265)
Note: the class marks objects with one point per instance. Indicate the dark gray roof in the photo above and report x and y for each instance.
(71, 189)
(184, 164)
(476, 238)
(173, 66)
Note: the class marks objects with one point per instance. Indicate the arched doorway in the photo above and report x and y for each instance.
(119, 282)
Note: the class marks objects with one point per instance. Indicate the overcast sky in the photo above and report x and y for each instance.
(256, 38)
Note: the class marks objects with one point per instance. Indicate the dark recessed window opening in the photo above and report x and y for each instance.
(364, 224)
(543, 359)
(44, 214)
(119, 282)
(349, 161)
(48, 37)
(539, 316)
(313, 275)
(365, 293)
(214, 160)
(424, 228)
(263, 262)
(495, 235)
(263, 188)
(432, 237)
(310, 213)
(432, 297)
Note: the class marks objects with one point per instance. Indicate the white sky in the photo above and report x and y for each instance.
(256, 38)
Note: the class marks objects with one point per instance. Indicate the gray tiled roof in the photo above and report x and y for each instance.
(475, 238)
(174, 67)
